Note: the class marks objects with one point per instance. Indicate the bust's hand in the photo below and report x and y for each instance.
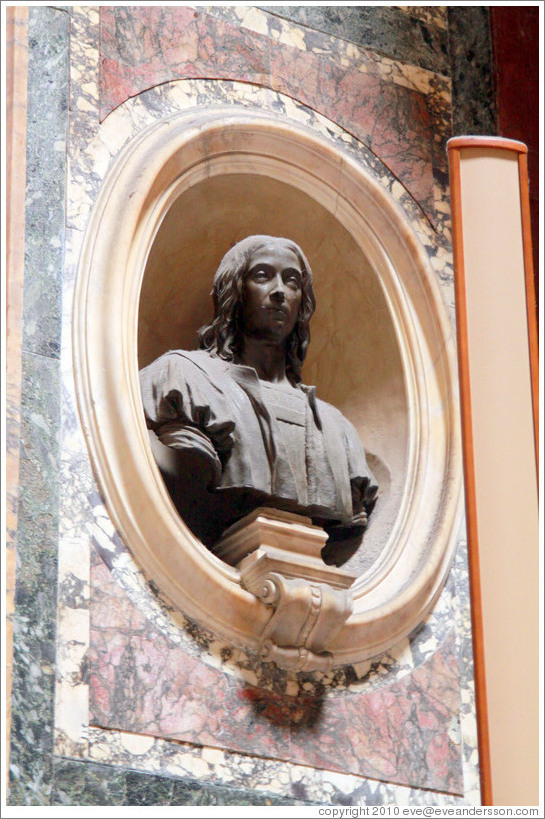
(360, 519)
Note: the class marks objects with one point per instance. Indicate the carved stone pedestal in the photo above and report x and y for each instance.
(278, 555)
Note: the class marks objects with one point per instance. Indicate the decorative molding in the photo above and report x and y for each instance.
(279, 558)
(154, 169)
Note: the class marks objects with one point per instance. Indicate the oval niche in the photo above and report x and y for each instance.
(354, 359)
(381, 351)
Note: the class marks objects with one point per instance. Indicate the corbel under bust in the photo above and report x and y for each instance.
(278, 555)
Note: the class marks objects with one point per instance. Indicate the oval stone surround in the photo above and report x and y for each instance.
(154, 172)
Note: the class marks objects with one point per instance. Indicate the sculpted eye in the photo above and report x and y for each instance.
(294, 280)
(260, 275)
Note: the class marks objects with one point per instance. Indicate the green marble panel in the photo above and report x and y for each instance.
(45, 180)
(38, 510)
(386, 29)
(81, 783)
(471, 65)
(35, 593)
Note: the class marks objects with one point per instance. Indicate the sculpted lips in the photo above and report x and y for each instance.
(276, 309)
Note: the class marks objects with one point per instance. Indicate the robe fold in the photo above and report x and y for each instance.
(197, 402)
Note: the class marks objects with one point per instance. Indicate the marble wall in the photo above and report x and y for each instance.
(376, 100)
(105, 710)
(39, 478)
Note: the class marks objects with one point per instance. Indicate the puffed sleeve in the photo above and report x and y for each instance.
(184, 408)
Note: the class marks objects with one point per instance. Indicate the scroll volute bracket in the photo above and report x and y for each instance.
(278, 555)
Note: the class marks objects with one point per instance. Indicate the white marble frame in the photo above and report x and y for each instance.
(149, 174)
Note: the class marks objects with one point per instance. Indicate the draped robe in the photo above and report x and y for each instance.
(234, 424)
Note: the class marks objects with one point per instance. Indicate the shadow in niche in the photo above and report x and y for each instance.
(295, 713)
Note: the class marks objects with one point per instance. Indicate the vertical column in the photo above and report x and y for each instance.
(497, 341)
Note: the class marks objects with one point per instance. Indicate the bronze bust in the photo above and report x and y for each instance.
(233, 427)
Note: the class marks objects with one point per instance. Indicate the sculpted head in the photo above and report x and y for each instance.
(223, 337)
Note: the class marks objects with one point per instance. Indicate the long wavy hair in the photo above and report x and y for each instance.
(223, 337)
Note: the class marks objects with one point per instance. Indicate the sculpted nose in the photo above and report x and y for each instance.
(278, 295)
(279, 290)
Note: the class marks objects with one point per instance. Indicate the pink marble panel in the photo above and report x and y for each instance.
(140, 681)
(147, 45)
(299, 74)
(392, 120)
(398, 734)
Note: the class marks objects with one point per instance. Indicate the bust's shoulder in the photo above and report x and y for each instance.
(333, 416)
(186, 361)
(322, 406)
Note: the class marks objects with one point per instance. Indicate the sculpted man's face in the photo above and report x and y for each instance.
(272, 293)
